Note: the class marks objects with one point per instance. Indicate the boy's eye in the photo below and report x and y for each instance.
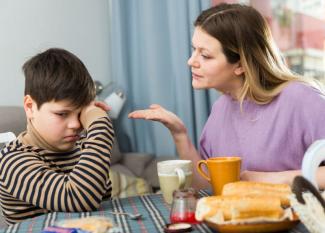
(61, 114)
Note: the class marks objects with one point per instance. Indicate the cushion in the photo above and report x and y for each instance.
(122, 169)
(137, 162)
(116, 153)
(124, 185)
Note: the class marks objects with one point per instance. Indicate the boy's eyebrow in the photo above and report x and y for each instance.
(64, 109)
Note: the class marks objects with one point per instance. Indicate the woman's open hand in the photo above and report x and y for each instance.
(157, 113)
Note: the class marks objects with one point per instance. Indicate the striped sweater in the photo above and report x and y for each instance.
(34, 181)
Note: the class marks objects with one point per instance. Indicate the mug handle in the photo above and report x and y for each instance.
(201, 172)
(181, 177)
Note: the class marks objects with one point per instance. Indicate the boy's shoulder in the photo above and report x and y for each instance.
(14, 146)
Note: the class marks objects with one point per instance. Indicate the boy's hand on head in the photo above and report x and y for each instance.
(102, 105)
(92, 112)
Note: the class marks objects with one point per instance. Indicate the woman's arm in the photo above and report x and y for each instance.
(186, 150)
(285, 177)
(184, 146)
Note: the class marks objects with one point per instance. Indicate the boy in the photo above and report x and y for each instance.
(50, 167)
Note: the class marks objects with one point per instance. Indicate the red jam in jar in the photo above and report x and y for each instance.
(183, 206)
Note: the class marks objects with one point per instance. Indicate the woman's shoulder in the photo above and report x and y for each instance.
(302, 90)
(224, 99)
(301, 97)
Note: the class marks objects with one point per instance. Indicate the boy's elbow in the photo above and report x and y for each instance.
(95, 206)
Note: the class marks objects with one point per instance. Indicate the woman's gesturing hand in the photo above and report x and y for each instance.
(157, 113)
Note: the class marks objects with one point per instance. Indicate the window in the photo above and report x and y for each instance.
(298, 28)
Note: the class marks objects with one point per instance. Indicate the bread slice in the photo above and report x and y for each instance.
(236, 207)
(281, 191)
(94, 224)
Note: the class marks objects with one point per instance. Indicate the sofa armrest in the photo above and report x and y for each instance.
(13, 119)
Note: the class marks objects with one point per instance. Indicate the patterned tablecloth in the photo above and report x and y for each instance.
(154, 210)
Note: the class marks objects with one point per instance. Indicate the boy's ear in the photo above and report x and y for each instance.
(239, 70)
(29, 105)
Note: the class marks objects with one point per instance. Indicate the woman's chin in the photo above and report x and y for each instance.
(197, 86)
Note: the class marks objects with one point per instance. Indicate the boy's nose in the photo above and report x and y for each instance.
(74, 124)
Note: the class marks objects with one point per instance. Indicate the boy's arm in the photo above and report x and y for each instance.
(26, 177)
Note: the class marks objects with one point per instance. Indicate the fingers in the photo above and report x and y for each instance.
(159, 114)
(95, 104)
(139, 114)
(154, 106)
(102, 105)
(146, 114)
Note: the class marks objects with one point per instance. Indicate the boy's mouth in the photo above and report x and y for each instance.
(72, 138)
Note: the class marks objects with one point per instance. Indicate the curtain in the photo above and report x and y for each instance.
(150, 46)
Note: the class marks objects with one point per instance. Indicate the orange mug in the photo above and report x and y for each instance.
(222, 170)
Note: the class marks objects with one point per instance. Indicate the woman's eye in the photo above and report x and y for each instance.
(205, 56)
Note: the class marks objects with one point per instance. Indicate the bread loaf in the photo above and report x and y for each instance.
(235, 207)
(281, 191)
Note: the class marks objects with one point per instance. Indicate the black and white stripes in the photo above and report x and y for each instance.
(34, 181)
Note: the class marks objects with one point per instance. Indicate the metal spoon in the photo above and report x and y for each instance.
(131, 216)
(301, 185)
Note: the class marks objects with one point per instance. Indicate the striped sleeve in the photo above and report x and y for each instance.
(26, 177)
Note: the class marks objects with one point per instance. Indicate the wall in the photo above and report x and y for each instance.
(29, 27)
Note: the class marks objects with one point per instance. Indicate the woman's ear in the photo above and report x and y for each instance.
(29, 105)
(239, 70)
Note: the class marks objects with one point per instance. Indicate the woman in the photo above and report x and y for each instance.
(266, 115)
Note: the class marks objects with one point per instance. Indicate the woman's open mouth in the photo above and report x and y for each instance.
(196, 76)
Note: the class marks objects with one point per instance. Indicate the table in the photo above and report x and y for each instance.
(154, 210)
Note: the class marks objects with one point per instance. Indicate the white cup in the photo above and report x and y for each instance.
(173, 175)
(313, 157)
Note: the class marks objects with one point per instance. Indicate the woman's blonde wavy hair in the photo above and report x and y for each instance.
(246, 38)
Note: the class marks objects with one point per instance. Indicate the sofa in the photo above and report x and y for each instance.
(132, 173)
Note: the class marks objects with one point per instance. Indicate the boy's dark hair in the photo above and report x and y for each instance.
(57, 74)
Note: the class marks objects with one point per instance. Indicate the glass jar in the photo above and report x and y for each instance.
(183, 206)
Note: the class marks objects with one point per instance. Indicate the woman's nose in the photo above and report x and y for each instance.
(192, 61)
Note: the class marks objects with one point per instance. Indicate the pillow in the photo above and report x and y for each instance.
(124, 185)
(116, 153)
(137, 162)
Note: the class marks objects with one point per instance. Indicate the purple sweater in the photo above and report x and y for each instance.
(271, 137)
